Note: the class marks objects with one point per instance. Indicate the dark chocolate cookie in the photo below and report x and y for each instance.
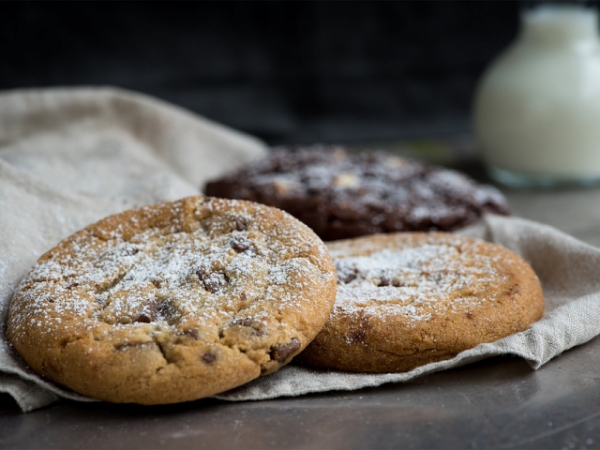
(340, 195)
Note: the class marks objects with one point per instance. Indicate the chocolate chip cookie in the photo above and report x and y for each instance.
(408, 299)
(173, 302)
(340, 195)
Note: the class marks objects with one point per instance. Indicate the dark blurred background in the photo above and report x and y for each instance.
(288, 72)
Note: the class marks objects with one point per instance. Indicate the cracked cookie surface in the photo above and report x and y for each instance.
(173, 302)
(409, 299)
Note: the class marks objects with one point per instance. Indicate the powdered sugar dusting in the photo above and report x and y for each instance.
(416, 283)
(163, 277)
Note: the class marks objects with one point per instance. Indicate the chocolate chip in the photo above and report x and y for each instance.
(514, 291)
(244, 301)
(256, 326)
(149, 314)
(131, 251)
(202, 274)
(157, 282)
(194, 333)
(211, 285)
(50, 300)
(358, 336)
(281, 352)
(209, 357)
(360, 331)
(469, 315)
(240, 224)
(210, 282)
(72, 285)
(240, 245)
(348, 278)
(384, 281)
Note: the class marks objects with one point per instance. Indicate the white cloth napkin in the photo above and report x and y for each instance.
(69, 157)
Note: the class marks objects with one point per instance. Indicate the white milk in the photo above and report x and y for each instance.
(537, 108)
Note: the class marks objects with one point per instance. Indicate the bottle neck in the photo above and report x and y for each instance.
(559, 24)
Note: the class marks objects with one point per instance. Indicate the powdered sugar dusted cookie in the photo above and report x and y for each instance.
(341, 195)
(174, 301)
(408, 299)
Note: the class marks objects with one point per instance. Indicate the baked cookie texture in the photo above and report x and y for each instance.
(173, 302)
(341, 195)
(409, 299)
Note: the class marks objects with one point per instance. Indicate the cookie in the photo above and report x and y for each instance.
(173, 302)
(341, 196)
(409, 299)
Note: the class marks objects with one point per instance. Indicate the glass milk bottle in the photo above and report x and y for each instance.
(537, 107)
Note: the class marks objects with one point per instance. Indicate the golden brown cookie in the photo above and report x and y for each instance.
(409, 299)
(173, 302)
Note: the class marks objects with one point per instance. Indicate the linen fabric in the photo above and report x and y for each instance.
(69, 157)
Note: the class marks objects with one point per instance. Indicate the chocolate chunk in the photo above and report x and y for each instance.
(194, 333)
(211, 285)
(358, 336)
(72, 285)
(244, 301)
(515, 290)
(209, 357)
(240, 224)
(255, 325)
(144, 318)
(384, 281)
(280, 353)
(347, 278)
(240, 245)
(157, 282)
(50, 300)
(211, 281)
(131, 251)
(202, 274)
(149, 314)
